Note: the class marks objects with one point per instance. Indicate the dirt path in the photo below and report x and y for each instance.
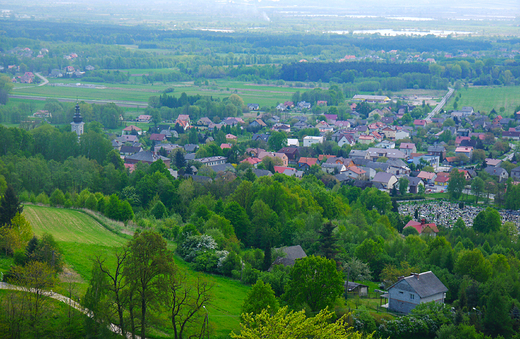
(63, 299)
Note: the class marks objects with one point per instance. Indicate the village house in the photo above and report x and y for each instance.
(439, 151)
(387, 180)
(413, 184)
(146, 157)
(305, 162)
(423, 227)
(408, 148)
(418, 288)
(366, 139)
(144, 118)
(292, 153)
(311, 140)
(212, 161)
(498, 172)
(132, 129)
(355, 172)
(281, 156)
(289, 255)
(467, 151)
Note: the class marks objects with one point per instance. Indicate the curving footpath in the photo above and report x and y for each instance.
(64, 299)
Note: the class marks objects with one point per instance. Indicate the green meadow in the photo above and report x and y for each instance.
(265, 95)
(485, 98)
(81, 238)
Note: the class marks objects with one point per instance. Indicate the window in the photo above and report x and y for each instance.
(401, 292)
(412, 296)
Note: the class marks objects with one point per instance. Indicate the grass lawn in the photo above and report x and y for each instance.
(484, 98)
(265, 95)
(81, 237)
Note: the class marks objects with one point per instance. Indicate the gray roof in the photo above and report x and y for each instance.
(191, 147)
(222, 168)
(413, 181)
(146, 156)
(424, 284)
(357, 153)
(382, 177)
(383, 166)
(189, 156)
(291, 254)
(342, 177)
(436, 149)
(352, 285)
(332, 165)
(261, 173)
(495, 170)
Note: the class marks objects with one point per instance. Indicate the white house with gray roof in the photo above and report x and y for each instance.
(418, 288)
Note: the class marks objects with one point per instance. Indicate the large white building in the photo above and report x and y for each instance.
(310, 140)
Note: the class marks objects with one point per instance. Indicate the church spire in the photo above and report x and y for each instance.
(77, 122)
(77, 116)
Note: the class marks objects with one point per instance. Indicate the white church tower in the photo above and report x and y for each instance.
(77, 124)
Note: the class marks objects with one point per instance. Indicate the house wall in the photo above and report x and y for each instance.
(308, 141)
(402, 298)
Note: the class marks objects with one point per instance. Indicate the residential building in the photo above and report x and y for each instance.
(408, 148)
(387, 180)
(497, 171)
(281, 156)
(418, 288)
(311, 140)
(212, 161)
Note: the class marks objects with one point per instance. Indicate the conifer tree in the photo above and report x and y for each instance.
(9, 206)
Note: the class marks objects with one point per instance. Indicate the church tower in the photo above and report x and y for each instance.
(77, 124)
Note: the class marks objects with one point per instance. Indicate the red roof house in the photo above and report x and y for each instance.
(423, 227)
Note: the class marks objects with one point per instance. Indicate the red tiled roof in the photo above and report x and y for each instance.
(420, 227)
(308, 161)
(252, 161)
(132, 128)
(281, 169)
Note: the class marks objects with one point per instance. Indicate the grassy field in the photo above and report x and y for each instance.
(80, 238)
(268, 95)
(485, 98)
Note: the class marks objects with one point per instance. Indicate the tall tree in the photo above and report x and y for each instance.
(277, 140)
(327, 240)
(477, 188)
(9, 206)
(149, 265)
(115, 284)
(315, 282)
(456, 183)
(403, 185)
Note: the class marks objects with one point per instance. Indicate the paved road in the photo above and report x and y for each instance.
(45, 81)
(441, 104)
(64, 299)
(137, 104)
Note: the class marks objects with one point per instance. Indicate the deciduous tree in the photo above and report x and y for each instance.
(315, 282)
(149, 265)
